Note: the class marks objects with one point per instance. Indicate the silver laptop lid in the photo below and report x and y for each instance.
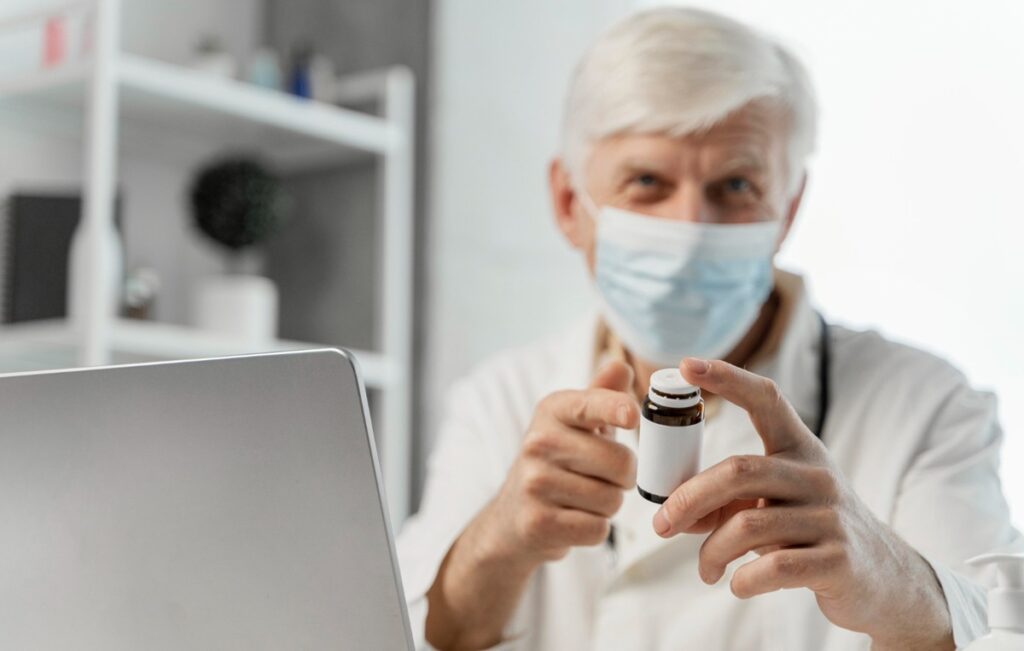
(228, 503)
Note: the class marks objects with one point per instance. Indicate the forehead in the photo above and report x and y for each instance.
(754, 135)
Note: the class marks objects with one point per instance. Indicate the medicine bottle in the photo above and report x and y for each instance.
(671, 433)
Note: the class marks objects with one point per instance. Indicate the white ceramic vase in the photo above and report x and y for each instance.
(243, 306)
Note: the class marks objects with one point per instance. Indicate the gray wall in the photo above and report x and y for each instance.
(325, 263)
(325, 260)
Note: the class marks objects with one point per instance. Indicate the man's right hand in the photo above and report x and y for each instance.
(561, 491)
(569, 477)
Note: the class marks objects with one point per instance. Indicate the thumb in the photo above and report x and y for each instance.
(615, 375)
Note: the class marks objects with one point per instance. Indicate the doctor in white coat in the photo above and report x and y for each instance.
(845, 478)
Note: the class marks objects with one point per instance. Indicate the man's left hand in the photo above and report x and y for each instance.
(793, 507)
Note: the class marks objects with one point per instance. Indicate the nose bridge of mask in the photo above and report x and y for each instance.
(646, 234)
(672, 236)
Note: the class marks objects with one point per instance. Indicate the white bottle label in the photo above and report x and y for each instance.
(667, 456)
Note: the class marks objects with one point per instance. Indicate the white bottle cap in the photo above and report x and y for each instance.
(670, 382)
(1006, 600)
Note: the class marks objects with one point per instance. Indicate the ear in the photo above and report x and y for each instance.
(570, 217)
(792, 209)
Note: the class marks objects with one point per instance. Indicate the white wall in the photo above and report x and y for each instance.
(501, 274)
(911, 223)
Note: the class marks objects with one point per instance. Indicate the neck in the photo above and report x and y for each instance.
(738, 356)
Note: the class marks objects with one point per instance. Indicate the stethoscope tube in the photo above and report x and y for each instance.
(824, 372)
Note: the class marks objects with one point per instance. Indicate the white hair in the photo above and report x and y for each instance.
(678, 71)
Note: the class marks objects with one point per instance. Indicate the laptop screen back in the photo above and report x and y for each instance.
(212, 504)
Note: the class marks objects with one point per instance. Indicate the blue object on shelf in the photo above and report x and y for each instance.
(299, 81)
(300, 86)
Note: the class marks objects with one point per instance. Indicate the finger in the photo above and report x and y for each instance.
(743, 477)
(615, 375)
(753, 529)
(560, 487)
(591, 409)
(560, 527)
(602, 459)
(584, 454)
(805, 567)
(773, 417)
(716, 518)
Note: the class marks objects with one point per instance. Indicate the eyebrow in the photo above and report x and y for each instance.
(745, 161)
(637, 164)
(741, 162)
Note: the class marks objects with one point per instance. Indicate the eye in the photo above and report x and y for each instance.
(646, 180)
(735, 192)
(645, 187)
(738, 185)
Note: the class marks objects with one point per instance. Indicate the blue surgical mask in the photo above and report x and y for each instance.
(671, 289)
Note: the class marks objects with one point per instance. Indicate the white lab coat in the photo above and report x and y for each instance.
(919, 446)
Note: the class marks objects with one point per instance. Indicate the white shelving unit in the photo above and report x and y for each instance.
(118, 92)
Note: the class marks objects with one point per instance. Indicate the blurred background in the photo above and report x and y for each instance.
(399, 149)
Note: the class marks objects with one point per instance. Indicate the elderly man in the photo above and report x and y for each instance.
(846, 478)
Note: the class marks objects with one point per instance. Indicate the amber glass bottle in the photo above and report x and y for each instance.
(671, 433)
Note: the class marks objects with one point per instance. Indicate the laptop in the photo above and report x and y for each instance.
(231, 503)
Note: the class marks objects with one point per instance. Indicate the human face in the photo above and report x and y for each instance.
(732, 173)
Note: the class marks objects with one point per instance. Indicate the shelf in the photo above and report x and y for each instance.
(181, 116)
(39, 345)
(170, 107)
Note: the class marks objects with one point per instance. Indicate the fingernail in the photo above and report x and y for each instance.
(697, 366)
(661, 523)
